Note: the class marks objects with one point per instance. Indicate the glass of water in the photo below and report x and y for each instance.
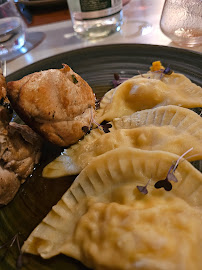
(181, 21)
(12, 28)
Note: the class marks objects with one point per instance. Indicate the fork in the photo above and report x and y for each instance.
(3, 67)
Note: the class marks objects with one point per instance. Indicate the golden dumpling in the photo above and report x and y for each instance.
(104, 221)
(170, 115)
(167, 128)
(148, 91)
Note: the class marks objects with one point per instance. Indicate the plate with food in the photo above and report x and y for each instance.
(101, 151)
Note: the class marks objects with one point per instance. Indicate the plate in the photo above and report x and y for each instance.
(37, 195)
(41, 2)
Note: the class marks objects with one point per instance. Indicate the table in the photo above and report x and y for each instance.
(47, 14)
(60, 37)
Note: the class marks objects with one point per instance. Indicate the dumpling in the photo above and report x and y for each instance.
(65, 163)
(56, 103)
(169, 115)
(148, 91)
(168, 128)
(104, 221)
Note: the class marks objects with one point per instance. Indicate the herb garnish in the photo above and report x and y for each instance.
(75, 81)
(167, 71)
(86, 129)
(97, 103)
(163, 183)
(170, 176)
(9, 245)
(104, 126)
(143, 189)
(118, 80)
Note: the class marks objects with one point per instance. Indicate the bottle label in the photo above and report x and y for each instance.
(94, 9)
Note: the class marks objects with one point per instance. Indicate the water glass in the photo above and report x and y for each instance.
(181, 21)
(12, 28)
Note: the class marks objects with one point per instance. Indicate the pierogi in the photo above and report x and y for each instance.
(149, 91)
(114, 216)
(167, 128)
(104, 221)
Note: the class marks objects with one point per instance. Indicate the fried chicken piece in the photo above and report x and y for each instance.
(56, 103)
(9, 185)
(20, 149)
(5, 110)
(23, 150)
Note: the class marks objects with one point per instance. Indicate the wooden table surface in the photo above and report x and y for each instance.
(48, 14)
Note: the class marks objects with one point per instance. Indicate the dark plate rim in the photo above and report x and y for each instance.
(175, 50)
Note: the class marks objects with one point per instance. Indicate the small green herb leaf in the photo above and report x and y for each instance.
(75, 81)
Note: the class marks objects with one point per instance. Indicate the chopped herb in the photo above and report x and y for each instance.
(106, 127)
(163, 183)
(118, 80)
(170, 176)
(75, 81)
(86, 129)
(143, 189)
(140, 74)
(167, 71)
(97, 103)
(116, 76)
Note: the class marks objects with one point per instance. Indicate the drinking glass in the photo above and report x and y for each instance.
(12, 28)
(181, 21)
(95, 19)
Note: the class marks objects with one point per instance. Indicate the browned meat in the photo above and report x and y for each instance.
(55, 103)
(5, 116)
(20, 149)
(9, 185)
(2, 86)
(23, 150)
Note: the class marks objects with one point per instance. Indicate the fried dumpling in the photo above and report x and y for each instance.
(104, 221)
(168, 128)
(148, 91)
(56, 103)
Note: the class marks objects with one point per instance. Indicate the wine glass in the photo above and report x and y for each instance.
(12, 29)
(133, 24)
